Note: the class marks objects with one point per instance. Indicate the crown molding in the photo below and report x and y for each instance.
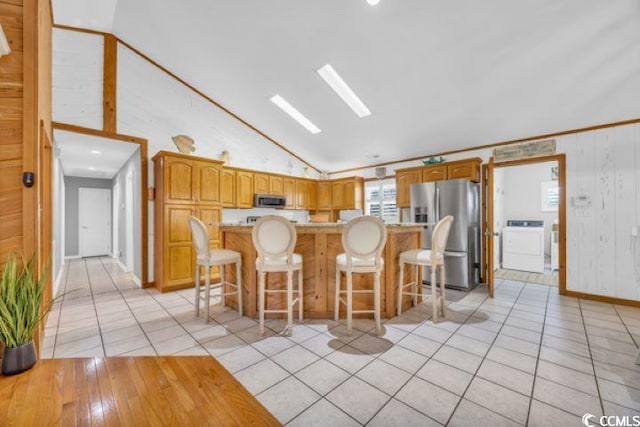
(493, 145)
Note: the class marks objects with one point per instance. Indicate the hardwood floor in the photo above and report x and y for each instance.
(129, 391)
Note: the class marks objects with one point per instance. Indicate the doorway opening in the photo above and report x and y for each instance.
(524, 223)
(99, 195)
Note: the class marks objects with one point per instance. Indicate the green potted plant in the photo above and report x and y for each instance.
(21, 310)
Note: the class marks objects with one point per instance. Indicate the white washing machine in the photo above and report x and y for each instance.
(523, 246)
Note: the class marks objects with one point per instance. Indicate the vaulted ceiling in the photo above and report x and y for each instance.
(437, 75)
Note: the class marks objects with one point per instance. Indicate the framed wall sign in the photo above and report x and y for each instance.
(525, 150)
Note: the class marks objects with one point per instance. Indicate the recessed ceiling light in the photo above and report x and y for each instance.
(295, 114)
(92, 168)
(373, 2)
(333, 79)
(96, 152)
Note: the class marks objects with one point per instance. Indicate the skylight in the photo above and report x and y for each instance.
(333, 79)
(295, 114)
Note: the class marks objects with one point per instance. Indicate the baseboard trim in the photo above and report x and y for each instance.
(56, 282)
(72, 257)
(135, 278)
(601, 298)
(121, 265)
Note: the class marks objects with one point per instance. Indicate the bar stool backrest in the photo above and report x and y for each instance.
(200, 237)
(364, 237)
(440, 237)
(274, 237)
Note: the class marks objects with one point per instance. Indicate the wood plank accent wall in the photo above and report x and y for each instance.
(11, 130)
(25, 126)
(109, 86)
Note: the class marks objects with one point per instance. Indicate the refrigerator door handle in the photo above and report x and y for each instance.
(455, 254)
(437, 205)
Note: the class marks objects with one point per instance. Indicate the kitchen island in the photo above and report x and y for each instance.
(319, 244)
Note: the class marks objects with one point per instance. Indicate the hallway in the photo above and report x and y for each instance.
(102, 312)
(84, 277)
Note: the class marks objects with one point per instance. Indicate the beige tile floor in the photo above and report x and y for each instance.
(546, 278)
(526, 357)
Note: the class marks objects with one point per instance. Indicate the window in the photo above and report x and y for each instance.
(550, 196)
(380, 199)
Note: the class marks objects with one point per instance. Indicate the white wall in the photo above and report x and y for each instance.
(132, 166)
(603, 166)
(77, 78)
(522, 196)
(58, 222)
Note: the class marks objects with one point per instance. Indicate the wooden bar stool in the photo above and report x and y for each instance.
(363, 239)
(433, 259)
(274, 238)
(207, 258)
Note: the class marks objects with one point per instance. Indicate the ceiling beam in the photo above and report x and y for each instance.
(109, 83)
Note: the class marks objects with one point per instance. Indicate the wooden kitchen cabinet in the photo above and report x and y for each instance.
(276, 185)
(185, 186)
(228, 188)
(347, 193)
(301, 194)
(207, 183)
(178, 178)
(244, 189)
(337, 195)
(312, 195)
(324, 195)
(434, 173)
(469, 170)
(260, 183)
(404, 179)
(289, 190)
(459, 169)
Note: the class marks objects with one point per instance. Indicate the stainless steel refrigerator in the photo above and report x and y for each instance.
(460, 198)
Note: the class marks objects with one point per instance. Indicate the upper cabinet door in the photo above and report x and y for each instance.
(338, 195)
(301, 194)
(324, 195)
(178, 177)
(403, 186)
(276, 185)
(260, 183)
(228, 188)
(244, 189)
(207, 183)
(469, 170)
(349, 195)
(434, 173)
(312, 195)
(289, 189)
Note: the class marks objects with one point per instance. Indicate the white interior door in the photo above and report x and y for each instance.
(95, 221)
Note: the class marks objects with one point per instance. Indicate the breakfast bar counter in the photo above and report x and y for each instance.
(319, 245)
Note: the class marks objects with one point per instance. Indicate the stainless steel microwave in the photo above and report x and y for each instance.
(269, 201)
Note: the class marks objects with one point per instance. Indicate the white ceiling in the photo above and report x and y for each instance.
(77, 159)
(437, 75)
